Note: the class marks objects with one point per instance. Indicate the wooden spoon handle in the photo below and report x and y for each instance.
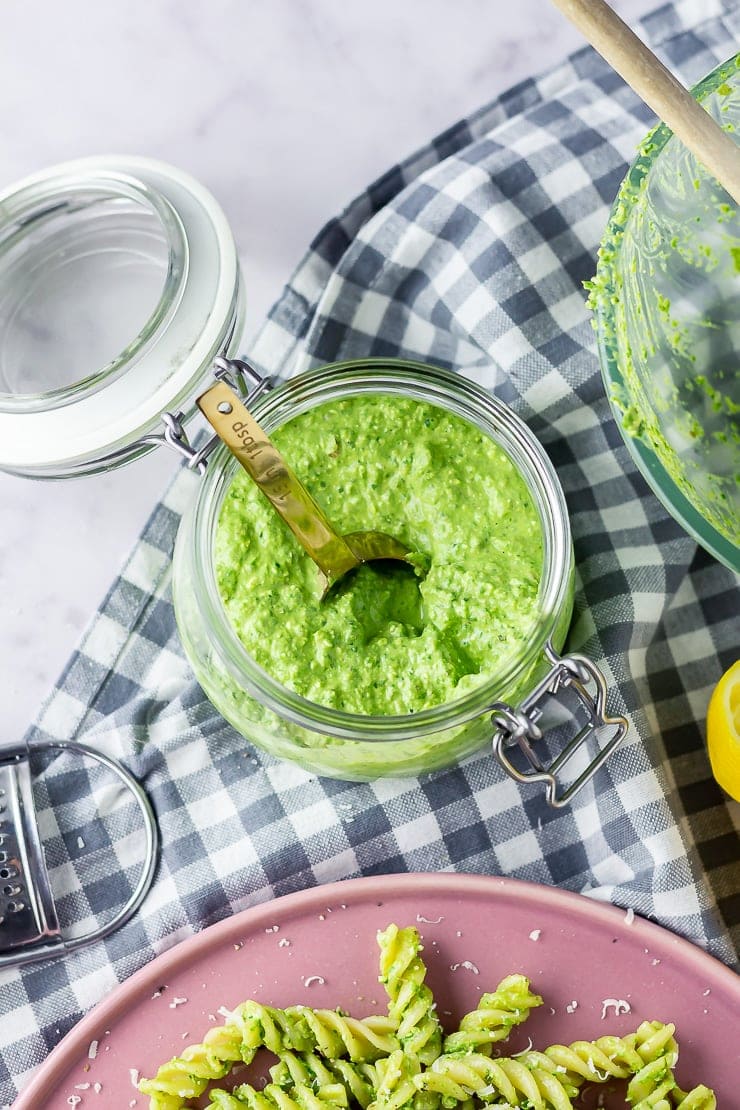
(658, 87)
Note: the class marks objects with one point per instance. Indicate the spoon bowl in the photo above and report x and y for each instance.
(334, 554)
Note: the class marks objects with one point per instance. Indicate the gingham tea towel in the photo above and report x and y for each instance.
(471, 255)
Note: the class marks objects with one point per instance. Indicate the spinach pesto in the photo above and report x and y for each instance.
(385, 642)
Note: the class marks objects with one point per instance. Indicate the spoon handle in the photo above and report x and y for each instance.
(253, 449)
(658, 87)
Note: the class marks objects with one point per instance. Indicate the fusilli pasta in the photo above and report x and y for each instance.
(494, 1017)
(402, 1061)
(274, 1097)
(411, 1005)
(252, 1026)
(360, 1080)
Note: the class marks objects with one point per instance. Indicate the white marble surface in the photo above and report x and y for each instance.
(285, 110)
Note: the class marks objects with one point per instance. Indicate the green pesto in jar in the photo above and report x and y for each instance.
(386, 642)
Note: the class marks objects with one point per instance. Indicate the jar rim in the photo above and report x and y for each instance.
(436, 386)
(200, 315)
(28, 205)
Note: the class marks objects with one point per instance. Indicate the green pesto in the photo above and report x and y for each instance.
(386, 642)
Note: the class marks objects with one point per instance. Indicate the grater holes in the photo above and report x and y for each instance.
(4, 872)
(15, 907)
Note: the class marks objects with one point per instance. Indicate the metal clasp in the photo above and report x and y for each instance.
(237, 373)
(519, 726)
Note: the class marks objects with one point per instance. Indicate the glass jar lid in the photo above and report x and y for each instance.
(119, 284)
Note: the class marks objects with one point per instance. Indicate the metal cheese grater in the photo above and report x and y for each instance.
(29, 924)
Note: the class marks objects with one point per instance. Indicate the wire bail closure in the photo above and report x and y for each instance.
(243, 379)
(518, 726)
(29, 923)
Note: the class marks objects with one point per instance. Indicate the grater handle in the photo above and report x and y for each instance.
(29, 924)
(151, 841)
(28, 917)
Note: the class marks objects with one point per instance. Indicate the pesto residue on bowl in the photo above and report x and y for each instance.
(666, 299)
(386, 643)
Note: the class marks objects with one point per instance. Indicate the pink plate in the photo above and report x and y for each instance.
(318, 948)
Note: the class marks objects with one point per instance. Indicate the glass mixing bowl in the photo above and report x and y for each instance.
(666, 298)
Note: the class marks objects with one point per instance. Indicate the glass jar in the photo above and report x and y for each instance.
(329, 741)
(119, 284)
(120, 297)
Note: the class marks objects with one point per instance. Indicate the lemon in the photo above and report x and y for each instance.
(723, 731)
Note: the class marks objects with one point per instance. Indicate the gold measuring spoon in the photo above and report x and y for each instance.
(333, 554)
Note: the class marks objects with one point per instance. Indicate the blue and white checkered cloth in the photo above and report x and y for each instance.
(472, 255)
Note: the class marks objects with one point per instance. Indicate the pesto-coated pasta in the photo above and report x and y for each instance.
(252, 1026)
(611, 1057)
(554, 1077)
(335, 1035)
(360, 1080)
(458, 1077)
(494, 1017)
(273, 1097)
(396, 1088)
(411, 1005)
(402, 1060)
(700, 1098)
